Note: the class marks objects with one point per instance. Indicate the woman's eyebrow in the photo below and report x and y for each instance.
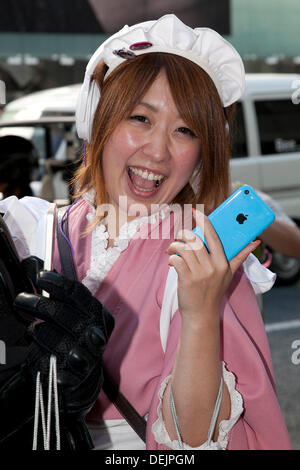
(152, 108)
(149, 106)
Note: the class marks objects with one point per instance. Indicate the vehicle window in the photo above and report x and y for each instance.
(238, 134)
(38, 140)
(279, 126)
(56, 137)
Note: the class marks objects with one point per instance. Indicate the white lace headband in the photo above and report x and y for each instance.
(203, 46)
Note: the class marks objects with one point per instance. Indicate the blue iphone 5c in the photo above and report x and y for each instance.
(239, 220)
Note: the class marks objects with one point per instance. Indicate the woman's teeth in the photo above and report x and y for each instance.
(147, 175)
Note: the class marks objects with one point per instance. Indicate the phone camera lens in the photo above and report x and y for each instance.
(246, 191)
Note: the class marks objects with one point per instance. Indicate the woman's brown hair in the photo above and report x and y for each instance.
(199, 105)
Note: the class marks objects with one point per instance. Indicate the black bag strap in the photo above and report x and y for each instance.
(65, 254)
(133, 418)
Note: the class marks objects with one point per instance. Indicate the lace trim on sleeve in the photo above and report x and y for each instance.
(161, 435)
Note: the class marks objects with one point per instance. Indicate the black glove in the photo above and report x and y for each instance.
(15, 277)
(75, 328)
(14, 324)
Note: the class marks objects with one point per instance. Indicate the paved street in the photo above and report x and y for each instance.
(282, 319)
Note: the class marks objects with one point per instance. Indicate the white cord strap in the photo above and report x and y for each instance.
(39, 406)
(175, 419)
(52, 386)
(213, 419)
(215, 413)
(39, 402)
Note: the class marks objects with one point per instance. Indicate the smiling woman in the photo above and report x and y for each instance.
(188, 349)
(171, 81)
(149, 156)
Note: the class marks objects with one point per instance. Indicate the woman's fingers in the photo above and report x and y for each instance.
(180, 259)
(186, 248)
(212, 240)
(193, 251)
(239, 259)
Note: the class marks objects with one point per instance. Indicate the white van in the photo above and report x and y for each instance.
(47, 118)
(266, 149)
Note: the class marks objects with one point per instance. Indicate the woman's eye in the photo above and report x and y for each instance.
(139, 118)
(187, 131)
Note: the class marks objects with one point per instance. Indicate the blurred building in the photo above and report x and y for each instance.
(48, 43)
(266, 34)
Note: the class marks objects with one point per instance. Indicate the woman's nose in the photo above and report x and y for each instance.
(157, 146)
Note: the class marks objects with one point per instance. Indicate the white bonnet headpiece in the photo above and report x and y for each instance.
(203, 46)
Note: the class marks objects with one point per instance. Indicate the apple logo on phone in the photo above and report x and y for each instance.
(240, 218)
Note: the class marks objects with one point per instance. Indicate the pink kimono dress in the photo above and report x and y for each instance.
(134, 282)
(130, 280)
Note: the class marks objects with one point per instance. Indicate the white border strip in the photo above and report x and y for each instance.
(285, 325)
(2, 92)
(49, 240)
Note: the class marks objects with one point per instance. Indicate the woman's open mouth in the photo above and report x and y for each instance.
(144, 183)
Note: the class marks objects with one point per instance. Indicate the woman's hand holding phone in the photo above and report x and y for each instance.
(203, 276)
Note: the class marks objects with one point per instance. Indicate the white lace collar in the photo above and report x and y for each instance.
(103, 257)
